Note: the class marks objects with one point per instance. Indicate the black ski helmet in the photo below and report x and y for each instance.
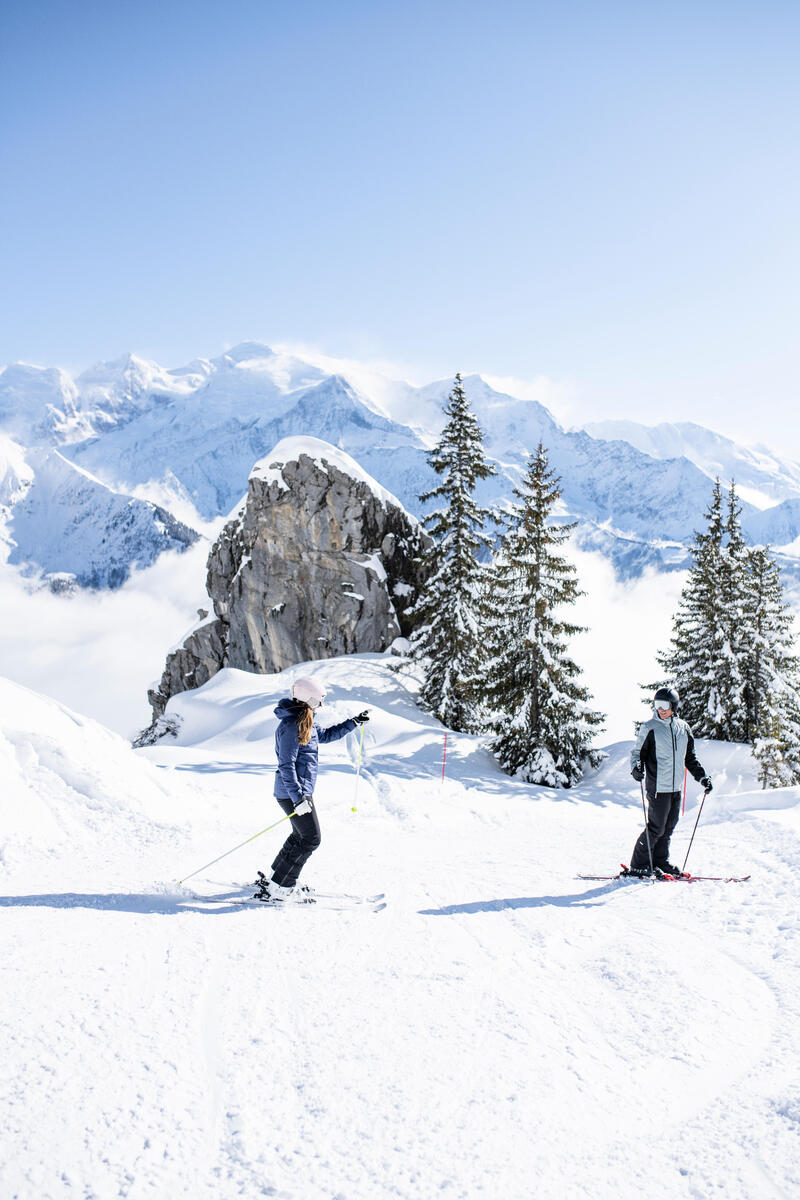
(670, 695)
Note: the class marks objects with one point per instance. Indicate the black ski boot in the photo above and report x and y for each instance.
(673, 872)
(269, 891)
(636, 873)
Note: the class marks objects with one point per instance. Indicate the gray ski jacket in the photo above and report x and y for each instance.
(665, 748)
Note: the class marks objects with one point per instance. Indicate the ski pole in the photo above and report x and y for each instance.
(227, 852)
(646, 830)
(444, 755)
(358, 768)
(694, 831)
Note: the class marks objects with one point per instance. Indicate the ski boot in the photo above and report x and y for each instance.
(668, 871)
(269, 891)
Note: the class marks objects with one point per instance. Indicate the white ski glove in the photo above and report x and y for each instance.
(303, 807)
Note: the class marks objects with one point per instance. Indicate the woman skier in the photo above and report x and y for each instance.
(297, 741)
(663, 752)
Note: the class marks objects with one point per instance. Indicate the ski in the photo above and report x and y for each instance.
(671, 878)
(325, 903)
(330, 903)
(311, 895)
(354, 899)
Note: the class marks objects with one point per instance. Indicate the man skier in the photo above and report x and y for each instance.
(663, 751)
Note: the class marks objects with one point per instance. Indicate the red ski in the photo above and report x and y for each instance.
(671, 878)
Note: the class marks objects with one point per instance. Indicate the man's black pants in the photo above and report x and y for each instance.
(663, 811)
(298, 847)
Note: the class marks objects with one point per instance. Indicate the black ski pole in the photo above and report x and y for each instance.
(646, 830)
(694, 831)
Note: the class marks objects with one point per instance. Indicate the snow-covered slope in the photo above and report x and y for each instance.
(762, 477)
(499, 1029)
(40, 404)
(60, 518)
(67, 782)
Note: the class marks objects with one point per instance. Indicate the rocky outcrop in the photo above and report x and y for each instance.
(319, 561)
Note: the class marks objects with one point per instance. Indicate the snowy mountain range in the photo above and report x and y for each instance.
(108, 469)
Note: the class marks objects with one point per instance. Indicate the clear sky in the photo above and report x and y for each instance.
(600, 195)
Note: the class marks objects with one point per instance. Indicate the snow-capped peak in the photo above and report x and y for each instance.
(761, 477)
(270, 468)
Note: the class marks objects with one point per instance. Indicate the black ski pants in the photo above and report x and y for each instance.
(298, 847)
(663, 811)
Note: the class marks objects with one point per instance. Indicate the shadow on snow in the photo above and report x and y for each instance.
(576, 900)
(139, 903)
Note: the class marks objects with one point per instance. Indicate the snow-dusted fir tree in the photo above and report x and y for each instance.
(770, 750)
(773, 676)
(541, 721)
(732, 638)
(706, 661)
(446, 639)
(732, 656)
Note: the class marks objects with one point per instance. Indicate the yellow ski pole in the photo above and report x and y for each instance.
(227, 852)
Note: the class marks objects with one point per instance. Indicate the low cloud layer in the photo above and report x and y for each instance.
(99, 652)
(628, 624)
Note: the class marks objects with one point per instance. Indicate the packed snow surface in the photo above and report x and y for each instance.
(499, 1029)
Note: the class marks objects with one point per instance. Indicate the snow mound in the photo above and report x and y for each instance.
(71, 788)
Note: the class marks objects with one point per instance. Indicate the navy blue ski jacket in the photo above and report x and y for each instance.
(296, 776)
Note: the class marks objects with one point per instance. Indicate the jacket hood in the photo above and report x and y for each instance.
(289, 709)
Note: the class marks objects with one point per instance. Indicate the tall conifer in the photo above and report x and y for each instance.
(731, 642)
(540, 717)
(732, 657)
(446, 640)
(773, 679)
(691, 662)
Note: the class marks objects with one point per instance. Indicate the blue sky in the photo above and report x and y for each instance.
(604, 195)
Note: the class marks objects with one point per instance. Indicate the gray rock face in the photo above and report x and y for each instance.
(318, 562)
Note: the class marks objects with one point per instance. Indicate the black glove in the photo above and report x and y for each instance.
(638, 772)
(361, 718)
(706, 783)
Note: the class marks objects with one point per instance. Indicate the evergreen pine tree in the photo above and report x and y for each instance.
(770, 752)
(446, 639)
(732, 656)
(540, 717)
(691, 663)
(773, 677)
(732, 651)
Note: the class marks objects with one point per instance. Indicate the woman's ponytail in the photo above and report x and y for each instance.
(304, 725)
